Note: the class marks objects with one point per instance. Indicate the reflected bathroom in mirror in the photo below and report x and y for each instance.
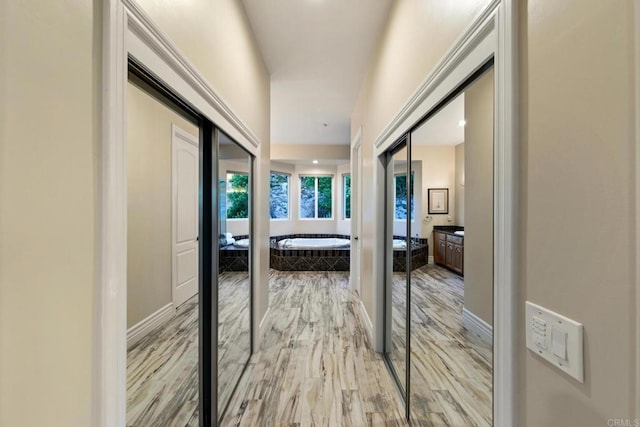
(439, 260)
(452, 298)
(234, 265)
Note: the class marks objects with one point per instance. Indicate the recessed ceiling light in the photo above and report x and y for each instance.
(315, 162)
(462, 122)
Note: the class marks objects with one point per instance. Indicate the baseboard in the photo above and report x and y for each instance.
(478, 326)
(145, 326)
(430, 260)
(368, 325)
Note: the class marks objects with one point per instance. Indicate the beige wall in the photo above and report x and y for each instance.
(50, 112)
(576, 156)
(417, 35)
(459, 183)
(149, 203)
(310, 152)
(438, 171)
(216, 37)
(577, 138)
(478, 198)
(49, 131)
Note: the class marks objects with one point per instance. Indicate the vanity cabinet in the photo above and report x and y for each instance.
(448, 251)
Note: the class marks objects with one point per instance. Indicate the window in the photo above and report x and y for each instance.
(401, 197)
(346, 196)
(279, 196)
(237, 195)
(316, 197)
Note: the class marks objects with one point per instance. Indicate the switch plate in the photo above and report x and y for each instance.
(552, 336)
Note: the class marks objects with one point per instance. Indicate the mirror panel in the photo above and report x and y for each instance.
(452, 299)
(234, 265)
(398, 210)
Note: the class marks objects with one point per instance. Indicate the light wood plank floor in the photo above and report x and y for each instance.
(315, 365)
(451, 368)
(162, 373)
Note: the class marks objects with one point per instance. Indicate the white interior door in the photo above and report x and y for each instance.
(356, 216)
(185, 216)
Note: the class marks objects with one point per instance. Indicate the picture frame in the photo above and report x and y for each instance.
(438, 201)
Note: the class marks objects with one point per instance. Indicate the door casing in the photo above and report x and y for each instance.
(492, 34)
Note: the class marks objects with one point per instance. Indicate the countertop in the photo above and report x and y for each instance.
(448, 229)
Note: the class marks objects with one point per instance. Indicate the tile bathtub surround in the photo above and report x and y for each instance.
(309, 259)
(336, 259)
(232, 258)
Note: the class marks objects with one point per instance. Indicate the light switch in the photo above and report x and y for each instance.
(559, 343)
(555, 338)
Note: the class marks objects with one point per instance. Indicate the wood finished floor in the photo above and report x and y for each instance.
(315, 365)
(451, 368)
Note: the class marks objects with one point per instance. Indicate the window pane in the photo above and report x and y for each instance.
(324, 197)
(401, 197)
(237, 196)
(347, 196)
(307, 197)
(279, 196)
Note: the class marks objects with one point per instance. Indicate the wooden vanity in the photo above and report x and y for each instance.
(448, 249)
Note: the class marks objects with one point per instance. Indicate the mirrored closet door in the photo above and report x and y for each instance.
(440, 257)
(397, 232)
(235, 203)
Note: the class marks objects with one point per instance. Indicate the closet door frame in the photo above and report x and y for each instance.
(492, 35)
(128, 32)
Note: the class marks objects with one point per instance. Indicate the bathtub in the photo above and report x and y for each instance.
(242, 243)
(331, 252)
(314, 243)
(399, 244)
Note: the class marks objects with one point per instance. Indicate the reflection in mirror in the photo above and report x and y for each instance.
(399, 208)
(234, 265)
(162, 230)
(452, 299)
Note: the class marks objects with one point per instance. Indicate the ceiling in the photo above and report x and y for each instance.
(317, 53)
(309, 162)
(443, 128)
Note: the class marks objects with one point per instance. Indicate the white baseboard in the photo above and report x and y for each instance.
(147, 325)
(478, 326)
(430, 260)
(368, 325)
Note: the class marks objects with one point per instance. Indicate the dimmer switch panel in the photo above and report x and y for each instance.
(556, 339)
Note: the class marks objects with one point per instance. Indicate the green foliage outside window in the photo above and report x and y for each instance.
(237, 196)
(316, 197)
(347, 196)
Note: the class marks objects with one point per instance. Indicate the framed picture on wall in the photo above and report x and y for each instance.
(438, 199)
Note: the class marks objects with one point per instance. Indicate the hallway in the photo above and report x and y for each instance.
(315, 365)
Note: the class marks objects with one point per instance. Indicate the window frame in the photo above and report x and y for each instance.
(288, 175)
(344, 196)
(333, 198)
(410, 207)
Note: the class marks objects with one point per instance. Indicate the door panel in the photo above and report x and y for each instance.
(185, 216)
